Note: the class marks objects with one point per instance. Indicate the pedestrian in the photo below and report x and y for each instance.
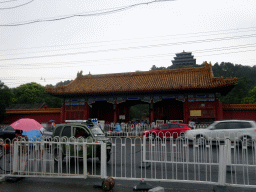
(192, 124)
(18, 133)
(42, 130)
(129, 125)
(153, 125)
(139, 126)
(33, 137)
(53, 125)
(117, 128)
(22, 157)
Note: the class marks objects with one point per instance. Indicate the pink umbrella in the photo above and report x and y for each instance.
(26, 124)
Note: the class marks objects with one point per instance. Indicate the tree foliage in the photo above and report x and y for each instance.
(63, 83)
(246, 80)
(139, 112)
(5, 99)
(237, 94)
(32, 93)
(251, 98)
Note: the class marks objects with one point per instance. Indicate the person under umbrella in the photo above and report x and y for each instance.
(31, 129)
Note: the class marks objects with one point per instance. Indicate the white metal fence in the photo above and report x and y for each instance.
(52, 157)
(181, 160)
(133, 158)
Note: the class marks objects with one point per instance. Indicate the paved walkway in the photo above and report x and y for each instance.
(71, 185)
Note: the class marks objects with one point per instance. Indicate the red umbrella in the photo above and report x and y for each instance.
(26, 124)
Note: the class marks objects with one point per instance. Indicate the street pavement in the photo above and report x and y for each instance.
(91, 185)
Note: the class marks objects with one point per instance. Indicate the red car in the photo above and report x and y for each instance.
(168, 130)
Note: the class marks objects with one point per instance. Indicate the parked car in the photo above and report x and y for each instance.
(7, 132)
(235, 130)
(91, 133)
(168, 129)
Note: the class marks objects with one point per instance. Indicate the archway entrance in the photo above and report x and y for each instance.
(168, 109)
(139, 112)
(102, 110)
(132, 110)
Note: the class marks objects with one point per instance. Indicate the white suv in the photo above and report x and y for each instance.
(235, 130)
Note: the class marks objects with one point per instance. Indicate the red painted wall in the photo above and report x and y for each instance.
(41, 118)
(85, 112)
(239, 115)
(219, 110)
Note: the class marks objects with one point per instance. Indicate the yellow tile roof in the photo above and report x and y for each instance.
(239, 107)
(33, 111)
(156, 80)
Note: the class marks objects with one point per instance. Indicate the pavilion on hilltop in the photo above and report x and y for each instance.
(184, 59)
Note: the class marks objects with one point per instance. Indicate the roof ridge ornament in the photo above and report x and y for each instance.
(79, 74)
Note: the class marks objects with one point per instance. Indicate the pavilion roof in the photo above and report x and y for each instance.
(196, 78)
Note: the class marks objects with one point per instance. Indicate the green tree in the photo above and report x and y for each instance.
(32, 93)
(251, 99)
(63, 83)
(29, 93)
(226, 69)
(236, 95)
(139, 112)
(5, 99)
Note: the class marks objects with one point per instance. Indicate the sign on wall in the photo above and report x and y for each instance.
(195, 113)
(159, 122)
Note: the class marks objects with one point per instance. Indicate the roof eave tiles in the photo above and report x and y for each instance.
(160, 80)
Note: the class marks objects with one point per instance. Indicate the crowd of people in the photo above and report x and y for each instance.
(130, 126)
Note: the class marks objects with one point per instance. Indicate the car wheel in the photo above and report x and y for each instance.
(246, 141)
(1, 152)
(151, 136)
(108, 155)
(200, 140)
(57, 157)
(182, 135)
(6, 162)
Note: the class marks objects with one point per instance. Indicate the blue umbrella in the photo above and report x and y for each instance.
(34, 135)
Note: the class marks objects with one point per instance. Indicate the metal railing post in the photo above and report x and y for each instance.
(144, 149)
(222, 163)
(15, 157)
(103, 160)
(85, 159)
(228, 154)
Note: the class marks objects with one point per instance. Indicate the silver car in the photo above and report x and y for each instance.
(235, 130)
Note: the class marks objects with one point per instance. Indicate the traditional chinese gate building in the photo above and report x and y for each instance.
(174, 94)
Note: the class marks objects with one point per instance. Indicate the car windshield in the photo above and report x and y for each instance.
(211, 125)
(96, 130)
(8, 128)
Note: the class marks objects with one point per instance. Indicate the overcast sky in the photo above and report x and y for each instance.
(48, 41)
